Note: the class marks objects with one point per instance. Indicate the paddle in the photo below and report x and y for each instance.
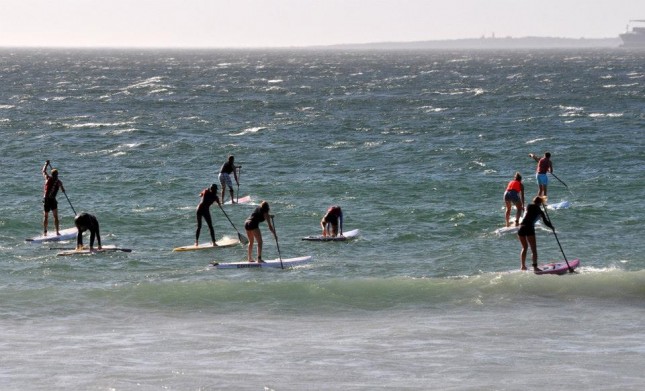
(558, 240)
(565, 185)
(243, 239)
(276, 242)
(70, 204)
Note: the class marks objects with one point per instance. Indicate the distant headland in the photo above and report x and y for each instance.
(490, 43)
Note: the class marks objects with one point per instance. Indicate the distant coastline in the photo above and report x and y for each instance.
(489, 43)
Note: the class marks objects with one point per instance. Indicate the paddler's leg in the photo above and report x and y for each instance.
(209, 221)
(534, 254)
(45, 222)
(249, 247)
(198, 230)
(525, 245)
(507, 214)
(258, 234)
(56, 222)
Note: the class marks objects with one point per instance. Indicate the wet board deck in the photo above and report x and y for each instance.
(86, 251)
(273, 263)
(346, 236)
(243, 200)
(65, 234)
(222, 243)
(558, 267)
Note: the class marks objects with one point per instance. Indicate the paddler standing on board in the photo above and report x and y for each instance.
(544, 166)
(52, 184)
(252, 227)
(225, 177)
(514, 195)
(526, 233)
(332, 219)
(208, 198)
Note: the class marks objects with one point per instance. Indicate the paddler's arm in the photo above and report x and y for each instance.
(44, 170)
(532, 155)
(268, 219)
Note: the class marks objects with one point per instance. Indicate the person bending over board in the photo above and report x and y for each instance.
(209, 196)
(332, 219)
(52, 184)
(252, 226)
(514, 195)
(526, 233)
(87, 222)
(225, 177)
(544, 166)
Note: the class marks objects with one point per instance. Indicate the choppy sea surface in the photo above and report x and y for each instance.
(416, 146)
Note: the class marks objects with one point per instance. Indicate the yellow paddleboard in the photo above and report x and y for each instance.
(223, 242)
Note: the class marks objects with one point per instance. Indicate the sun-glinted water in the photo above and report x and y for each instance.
(416, 146)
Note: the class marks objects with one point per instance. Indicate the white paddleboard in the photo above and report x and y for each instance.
(65, 234)
(272, 263)
(242, 200)
(346, 236)
(223, 242)
(513, 229)
(559, 205)
(86, 251)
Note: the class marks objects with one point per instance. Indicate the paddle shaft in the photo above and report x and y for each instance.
(558, 240)
(275, 236)
(70, 204)
(561, 181)
(242, 238)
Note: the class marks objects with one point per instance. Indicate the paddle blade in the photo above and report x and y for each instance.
(243, 239)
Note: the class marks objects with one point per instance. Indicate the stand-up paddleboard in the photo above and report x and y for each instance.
(559, 205)
(558, 267)
(346, 236)
(223, 242)
(243, 200)
(86, 251)
(514, 228)
(273, 263)
(65, 234)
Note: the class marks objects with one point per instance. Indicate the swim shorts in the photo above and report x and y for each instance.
(542, 179)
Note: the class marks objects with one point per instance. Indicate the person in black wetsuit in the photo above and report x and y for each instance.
(209, 196)
(225, 177)
(526, 233)
(252, 226)
(84, 222)
(52, 184)
(333, 218)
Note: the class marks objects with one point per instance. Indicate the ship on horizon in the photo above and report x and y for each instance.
(634, 38)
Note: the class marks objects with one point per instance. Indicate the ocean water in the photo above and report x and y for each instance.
(416, 146)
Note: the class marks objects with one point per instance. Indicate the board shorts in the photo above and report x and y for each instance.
(225, 180)
(250, 225)
(50, 204)
(526, 230)
(542, 179)
(512, 196)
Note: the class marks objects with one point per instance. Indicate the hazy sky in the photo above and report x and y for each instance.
(272, 23)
